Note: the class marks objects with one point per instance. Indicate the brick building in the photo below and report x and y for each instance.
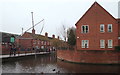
(31, 40)
(97, 34)
(6, 40)
(97, 29)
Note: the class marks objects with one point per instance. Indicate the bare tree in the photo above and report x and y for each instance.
(63, 32)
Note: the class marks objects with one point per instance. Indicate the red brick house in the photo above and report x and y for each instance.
(118, 20)
(97, 29)
(32, 40)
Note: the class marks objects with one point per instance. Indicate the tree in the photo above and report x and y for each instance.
(56, 42)
(62, 32)
(71, 36)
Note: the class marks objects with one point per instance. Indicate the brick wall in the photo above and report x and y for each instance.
(89, 56)
(25, 43)
(5, 48)
(95, 16)
(119, 42)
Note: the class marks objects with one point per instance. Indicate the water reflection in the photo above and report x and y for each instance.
(86, 68)
(49, 64)
(43, 63)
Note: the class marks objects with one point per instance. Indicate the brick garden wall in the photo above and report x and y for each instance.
(103, 57)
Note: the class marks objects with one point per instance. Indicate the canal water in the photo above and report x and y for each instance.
(50, 64)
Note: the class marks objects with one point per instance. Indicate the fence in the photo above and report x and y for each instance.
(65, 48)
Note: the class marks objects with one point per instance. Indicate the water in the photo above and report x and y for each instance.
(49, 64)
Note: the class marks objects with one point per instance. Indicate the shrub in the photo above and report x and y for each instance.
(117, 48)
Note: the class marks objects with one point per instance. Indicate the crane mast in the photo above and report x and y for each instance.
(32, 20)
(33, 25)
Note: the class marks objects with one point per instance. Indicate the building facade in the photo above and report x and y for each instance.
(31, 41)
(6, 41)
(97, 30)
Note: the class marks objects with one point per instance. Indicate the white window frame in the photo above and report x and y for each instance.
(102, 31)
(44, 42)
(38, 42)
(119, 38)
(42, 47)
(111, 27)
(47, 42)
(110, 45)
(102, 43)
(34, 42)
(83, 42)
(85, 29)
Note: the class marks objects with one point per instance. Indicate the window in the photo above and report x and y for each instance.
(109, 27)
(42, 47)
(102, 43)
(36, 47)
(84, 29)
(85, 43)
(34, 42)
(38, 42)
(47, 43)
(102, 28)
(12, 39)
(44, 42)
(41, 42)
(110, 44)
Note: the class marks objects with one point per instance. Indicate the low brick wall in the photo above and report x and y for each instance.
(7, 52)
(95, 57)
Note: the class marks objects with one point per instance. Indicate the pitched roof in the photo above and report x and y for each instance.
(118, 19)
(37, 36)
(94, 4)
(5, 37)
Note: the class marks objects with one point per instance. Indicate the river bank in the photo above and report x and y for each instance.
(49, 64)
(90, 57)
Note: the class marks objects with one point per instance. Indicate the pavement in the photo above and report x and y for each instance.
(19, 55)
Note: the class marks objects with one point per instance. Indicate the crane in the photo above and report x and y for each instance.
(35, 24)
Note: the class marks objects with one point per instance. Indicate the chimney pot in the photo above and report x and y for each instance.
(46, 34)
(33, 31)
(53, 36)
(58, 37)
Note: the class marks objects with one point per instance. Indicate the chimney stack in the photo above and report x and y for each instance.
(53, 36)
(58, 37)
(33, 31)
(46, 34)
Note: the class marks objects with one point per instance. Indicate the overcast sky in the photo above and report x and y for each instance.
(15, 14)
